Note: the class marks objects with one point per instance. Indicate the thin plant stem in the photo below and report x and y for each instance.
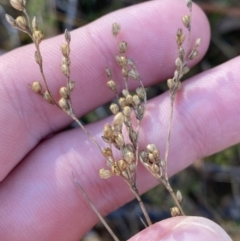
(72, 115)
(95, 210)
(134, 190)
(170, 190)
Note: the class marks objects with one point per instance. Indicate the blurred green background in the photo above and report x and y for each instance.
(211, 186)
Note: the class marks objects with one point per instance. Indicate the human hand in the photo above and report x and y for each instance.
(38, 197)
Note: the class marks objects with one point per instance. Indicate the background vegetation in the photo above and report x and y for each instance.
(211, 187)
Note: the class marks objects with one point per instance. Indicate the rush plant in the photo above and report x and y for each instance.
(121, 137)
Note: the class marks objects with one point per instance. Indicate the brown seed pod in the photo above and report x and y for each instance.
(38, 36)
(122, 47)
(175, 212)
(118, 119)
(126, 111)
(122, 165)
(112, 85)
(71, 85)
(186, 21)
(106, 152)
(21, 23)
(11, 20)
(47, 97)
(114, 108)
(116, 29)
(65, 50)
(104, 173)
(18, 4)
(67, 36)
(63, 103)
(108, 132)
(141, 93)
(64, 92)
(36, 87)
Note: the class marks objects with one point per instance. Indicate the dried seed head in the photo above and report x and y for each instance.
(155, 168)
(128, 157)
(65, 50)
(133, 136)
(63, 103)
(118, 119)
(139, 111)
(115, 170)
(67, 36)
(178, 62)
(136, 100)
(197, 42)
(133, 74)
(108, 72)
(108, 132)
(107, 152)
(129, 99)
(143, 156)
(114, 108)
(47, 97)
(122, 165)
(193, 54)
(64, 92)
(151, 158)
(179, 196)
(104, 173)
(151, 148)
(18, 4)
(112, 85)
(125, 71)
(122, 47)
(121, 60)
(186, 21)
(34, 24)
(122, 102)
(116, 29)
(175, 212)
(170, 83)
(185, 69)
(71, 85)
(125, 93)
(11, 20)
(189, 4)
(37, 36)
(21, 23)
(132, 167)
(36, 87)
(110, 161)
(126, 111)
(180, 37)
(141, 93)
(181, 53)
(119, 139)
(65, 69)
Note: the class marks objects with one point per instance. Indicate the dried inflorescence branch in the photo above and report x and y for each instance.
(150, 158)
(130, 109)
(122, 135)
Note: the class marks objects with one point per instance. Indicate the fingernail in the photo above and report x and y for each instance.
(193, 229)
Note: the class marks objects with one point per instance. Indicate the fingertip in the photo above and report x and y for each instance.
(183, 228)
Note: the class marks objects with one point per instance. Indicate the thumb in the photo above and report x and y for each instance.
(183, 228)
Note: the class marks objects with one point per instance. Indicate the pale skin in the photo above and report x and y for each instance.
(38, 197)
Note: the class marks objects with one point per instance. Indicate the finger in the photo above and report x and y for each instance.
(151, 37)
(41, 190)
(185, 228)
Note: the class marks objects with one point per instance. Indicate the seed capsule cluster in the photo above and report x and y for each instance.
(127, 104)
